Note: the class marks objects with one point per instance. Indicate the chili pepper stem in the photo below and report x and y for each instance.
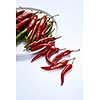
(58, 37)
(75, 50)
(62, 49)
(53, 16)
(73, 60)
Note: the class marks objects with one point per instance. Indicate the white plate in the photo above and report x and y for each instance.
(20, 50)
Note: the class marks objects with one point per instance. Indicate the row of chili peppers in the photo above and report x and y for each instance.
(38, 33)
(31, 27)
(47, 48)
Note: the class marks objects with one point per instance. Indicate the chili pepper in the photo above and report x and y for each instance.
(21, 34)
(19, 12)
(62, 54)
(49, 28)
(65, 70)
(24, 15)
(18, 21)
(41, 46)
(27, 36)
(50, 33)
(32, 23)
(44, 40)
(33, 31)
(41, 53)
(44, 30)
(60, 64)
(50, 53)
(40, 27)
(51, 17)
(22, 23)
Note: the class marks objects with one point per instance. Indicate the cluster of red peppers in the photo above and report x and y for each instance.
(45, 44)
(47, 48)
(31, 27)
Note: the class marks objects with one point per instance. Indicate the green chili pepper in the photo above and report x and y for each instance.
(26, 46)
(20, 35)
(50, 33)
(34, 38)
(49, 29)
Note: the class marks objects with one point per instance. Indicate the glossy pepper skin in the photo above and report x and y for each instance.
(24, 15)
(19, 12)
(41, 46)
(33, 31)
(64, 71)
(50, 53)
(56, 66)
(32, 23)
(41, 53)
(62, 54)
(22, 23)
(18, 21)
(44, 30)
(40, 27)
(44, 40)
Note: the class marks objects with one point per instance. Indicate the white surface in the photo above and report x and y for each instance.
(36, 84)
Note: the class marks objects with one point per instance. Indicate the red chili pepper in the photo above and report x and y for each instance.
(41, 53)
(44, 30)
(65, 70)
(41, 46)
(18, 21)
(24, 15)
(40, 27)
(62, 54)
(33, 31)
(22, 23)
(57, 65)
(32, 23)
(19, 12)
(44, 40)
(50, 53)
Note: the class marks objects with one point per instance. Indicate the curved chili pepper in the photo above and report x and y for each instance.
(42, 52)
(49, 30)
(22, 23)
(41, 46)
(57, 65)
(20, 34)
(44, 40)
(44, 30)
(32, 23)
(24, 15)
(19, 12)
(50, 53)
(40, 27)
(33, 31)
(62, 54)
(65, 70)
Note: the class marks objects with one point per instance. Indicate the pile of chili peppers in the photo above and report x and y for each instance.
(38, 34)
(31, 27)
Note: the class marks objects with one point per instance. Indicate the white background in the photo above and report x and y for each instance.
(90, 50)
(36, 84)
